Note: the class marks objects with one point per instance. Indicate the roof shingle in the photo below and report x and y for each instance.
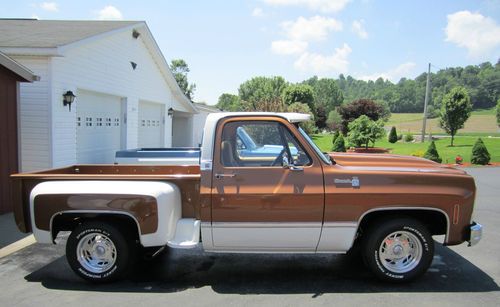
(32, 33)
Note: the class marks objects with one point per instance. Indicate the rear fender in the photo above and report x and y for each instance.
(154, 206)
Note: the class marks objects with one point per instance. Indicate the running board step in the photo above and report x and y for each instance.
(187, 234)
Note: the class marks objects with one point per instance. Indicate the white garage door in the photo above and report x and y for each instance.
(98, 131)
(151, 125)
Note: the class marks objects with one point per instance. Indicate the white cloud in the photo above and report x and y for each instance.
(473, 31)
(49, 6)
(394, 74)
(358, 27)
(257, 12)
(318, 63)
(109, 12)
(325, 6)
(313, 29)
(288, 47)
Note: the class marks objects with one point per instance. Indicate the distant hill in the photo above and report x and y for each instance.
(407, 96)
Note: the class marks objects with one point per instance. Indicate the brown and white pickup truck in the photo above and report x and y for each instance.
(273, 192)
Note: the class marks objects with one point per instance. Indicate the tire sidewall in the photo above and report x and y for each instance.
(122, 252)
(372, 257)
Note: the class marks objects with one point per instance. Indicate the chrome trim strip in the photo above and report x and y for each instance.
(339, 224)
(266, 225)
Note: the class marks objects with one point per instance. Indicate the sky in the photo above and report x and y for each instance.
(228, 42)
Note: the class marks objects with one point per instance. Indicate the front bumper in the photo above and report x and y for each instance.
(476, 232)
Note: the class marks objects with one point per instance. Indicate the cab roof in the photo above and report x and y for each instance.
(291, 117)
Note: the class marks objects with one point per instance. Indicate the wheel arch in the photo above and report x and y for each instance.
(437, 220)
(68, 220)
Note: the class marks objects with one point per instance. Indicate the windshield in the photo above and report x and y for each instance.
(323, 156)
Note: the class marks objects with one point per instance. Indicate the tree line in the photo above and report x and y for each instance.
(323, 95)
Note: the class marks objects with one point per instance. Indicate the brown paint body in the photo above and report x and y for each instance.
(319, 193)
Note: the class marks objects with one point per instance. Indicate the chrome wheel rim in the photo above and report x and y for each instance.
(96, 252)
(400, 252)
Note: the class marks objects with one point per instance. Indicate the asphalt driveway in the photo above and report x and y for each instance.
(459, 275)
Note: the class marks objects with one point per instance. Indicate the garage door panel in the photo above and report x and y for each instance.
(98, 127)
(151, 125)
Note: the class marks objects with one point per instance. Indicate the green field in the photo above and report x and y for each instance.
(482, 121)
(463, 147)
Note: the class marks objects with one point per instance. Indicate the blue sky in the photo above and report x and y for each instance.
(228, 42)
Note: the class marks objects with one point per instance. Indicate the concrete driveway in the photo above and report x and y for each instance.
(459, 276)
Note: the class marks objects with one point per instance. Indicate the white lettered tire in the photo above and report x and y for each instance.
(99, 252)
(398, 250)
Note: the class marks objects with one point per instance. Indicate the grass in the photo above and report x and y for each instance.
(463, 147)
(481, 121)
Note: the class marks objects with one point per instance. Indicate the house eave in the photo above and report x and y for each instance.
(17, 68)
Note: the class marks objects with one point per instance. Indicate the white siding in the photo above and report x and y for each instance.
(35, 128)
(103, 66)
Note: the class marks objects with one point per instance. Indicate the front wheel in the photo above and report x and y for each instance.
(98, 252)
(398, 250)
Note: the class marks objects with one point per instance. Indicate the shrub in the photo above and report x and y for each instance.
(339, 145)
(363, 130)
(393, 136)
(418, 153)
(409, 137)
(335, 136)
(400, 137)
(432, 153)
(480, 154)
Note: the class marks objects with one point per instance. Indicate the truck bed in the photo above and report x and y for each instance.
(186, 177)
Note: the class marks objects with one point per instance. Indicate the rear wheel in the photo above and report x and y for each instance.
(398, 250)
(99, 252)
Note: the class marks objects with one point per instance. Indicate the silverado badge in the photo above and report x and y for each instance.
(354, 182)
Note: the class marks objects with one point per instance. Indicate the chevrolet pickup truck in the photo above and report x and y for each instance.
(289, 198)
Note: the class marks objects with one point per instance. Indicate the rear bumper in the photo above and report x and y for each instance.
(476, 233)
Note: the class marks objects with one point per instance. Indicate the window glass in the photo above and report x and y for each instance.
(260, 143)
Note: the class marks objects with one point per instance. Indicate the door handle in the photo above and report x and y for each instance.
(219, 176)
(296, 168)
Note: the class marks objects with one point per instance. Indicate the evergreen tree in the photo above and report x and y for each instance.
(432, 153)
(335, 136)
(393, 136)
(339, 145)
(480, 154)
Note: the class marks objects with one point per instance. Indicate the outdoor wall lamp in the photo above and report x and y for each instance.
(68, 99)
(170, 112)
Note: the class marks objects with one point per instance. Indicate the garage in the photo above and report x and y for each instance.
(182, 129)
(151, 125)
(98, 127)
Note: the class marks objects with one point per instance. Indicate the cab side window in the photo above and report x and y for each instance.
(260, 144)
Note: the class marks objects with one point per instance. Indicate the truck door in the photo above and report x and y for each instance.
(269, 197)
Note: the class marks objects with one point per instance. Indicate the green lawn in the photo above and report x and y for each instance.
(483, 121)
(463, 147)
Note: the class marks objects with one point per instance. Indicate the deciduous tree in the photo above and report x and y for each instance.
(180, 71)
(229, 102)
(455, 110)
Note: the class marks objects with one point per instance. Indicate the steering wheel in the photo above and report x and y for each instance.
(279, 158)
